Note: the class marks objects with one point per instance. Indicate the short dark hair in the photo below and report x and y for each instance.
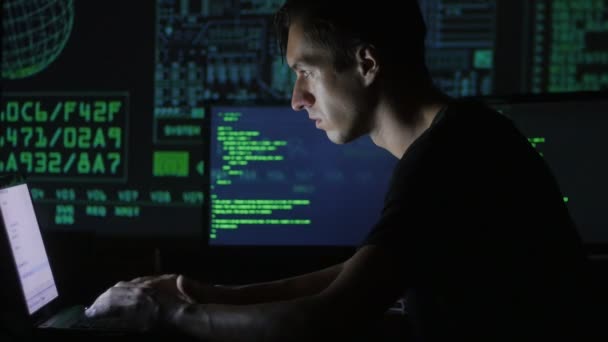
(395, 28)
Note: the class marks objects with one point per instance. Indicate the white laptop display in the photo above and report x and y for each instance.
(39, 295)
(32, 263)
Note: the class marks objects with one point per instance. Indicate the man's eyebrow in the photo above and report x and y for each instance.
(304, 61)
(297, 65)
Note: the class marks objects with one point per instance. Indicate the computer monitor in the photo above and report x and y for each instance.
(276, 180)
(568, 130)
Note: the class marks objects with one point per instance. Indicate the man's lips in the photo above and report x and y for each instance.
(316, 120)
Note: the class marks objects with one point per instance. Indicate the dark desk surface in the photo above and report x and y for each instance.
(391, 328)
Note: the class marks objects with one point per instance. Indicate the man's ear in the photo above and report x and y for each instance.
(367, 63)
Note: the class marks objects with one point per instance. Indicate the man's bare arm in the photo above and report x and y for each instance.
(363, 290)
(292, 320)
(273, 291)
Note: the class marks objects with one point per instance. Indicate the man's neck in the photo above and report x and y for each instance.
(396, 129)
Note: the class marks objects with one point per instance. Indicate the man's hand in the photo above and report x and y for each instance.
(178, 286)
(166, 284)
(141, 302)
(134, 306)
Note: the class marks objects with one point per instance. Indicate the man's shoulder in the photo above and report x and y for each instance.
(462, 129)
(474, 111)
(472, 127)
(468, 140)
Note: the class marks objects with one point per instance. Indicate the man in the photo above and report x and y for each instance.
(474, 227)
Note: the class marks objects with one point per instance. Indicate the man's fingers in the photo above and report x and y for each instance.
(102, 307)
(142, 279)
(153, 279)
(166, 281)
(134, 306)
(102, 310)
(122, 283)
(182, 288)
(187, 289)
(166, 284)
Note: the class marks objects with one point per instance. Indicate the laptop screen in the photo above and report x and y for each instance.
(29, 254)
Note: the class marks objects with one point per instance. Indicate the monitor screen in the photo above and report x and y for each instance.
(569, 132)
(277, 180)
(83, 128)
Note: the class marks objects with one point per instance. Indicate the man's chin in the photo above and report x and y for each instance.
(339, 139)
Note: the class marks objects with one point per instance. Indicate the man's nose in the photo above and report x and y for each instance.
(301, 99)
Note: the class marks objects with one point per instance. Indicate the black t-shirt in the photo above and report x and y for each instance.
(486, 244)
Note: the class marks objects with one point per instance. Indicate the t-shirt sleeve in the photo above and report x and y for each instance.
(399, 226)
(412, 226)
(405, 222)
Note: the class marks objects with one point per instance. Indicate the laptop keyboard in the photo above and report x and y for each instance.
(84, 322)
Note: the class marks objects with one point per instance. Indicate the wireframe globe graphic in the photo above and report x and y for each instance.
(34, 34)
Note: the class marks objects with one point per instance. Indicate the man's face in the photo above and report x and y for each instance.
(335, 101)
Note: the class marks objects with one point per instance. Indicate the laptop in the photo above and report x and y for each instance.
(36, 304)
